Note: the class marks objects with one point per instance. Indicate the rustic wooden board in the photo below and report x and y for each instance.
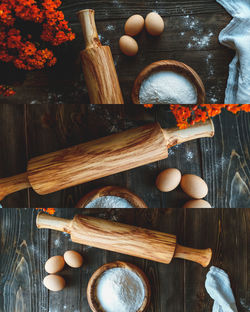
(223, 161)
(13, 134)
(191, 36)
(176, 287)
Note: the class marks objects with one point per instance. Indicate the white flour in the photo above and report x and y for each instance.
(120, 290)
(109, 202)
(110, 27)
(189, 156)
(167, 87)
(201, 42)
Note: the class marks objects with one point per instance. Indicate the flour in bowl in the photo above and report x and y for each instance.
(120, 290)
(167, 87)
(109, 202)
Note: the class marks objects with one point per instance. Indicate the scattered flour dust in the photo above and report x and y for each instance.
(110, 27)
(109, 202)
(245, 304)
(57, 242)
(117, 3)
(220, 163)
(189, 156)
(33, 102)
(211, 94)
(103, 40)
(190, 22)
(120, 289)
(213, 100)
(209, 57)
(200, 40)
(167, 87)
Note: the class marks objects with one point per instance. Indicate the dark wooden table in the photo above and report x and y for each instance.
(190, 36)
(31, 130)
(176, 287)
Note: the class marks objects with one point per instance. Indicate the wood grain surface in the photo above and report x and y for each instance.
(100, 76)
(124, 238)
(98, 65)
(190, 36)
(99, 158)
(114, 236)
(33, 130)
(178, 286)
(13, 184)
(96, 159)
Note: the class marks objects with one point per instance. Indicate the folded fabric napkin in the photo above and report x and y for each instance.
(237, 37)
(218, 287)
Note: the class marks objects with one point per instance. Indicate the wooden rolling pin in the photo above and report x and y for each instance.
(125, 239)
(100, 158)
(98, 64)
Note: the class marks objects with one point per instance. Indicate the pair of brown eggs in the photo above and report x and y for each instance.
(191, 184)
(154, 25)
(56, 264)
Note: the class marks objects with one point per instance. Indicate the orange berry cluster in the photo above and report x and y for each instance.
(187, 115)
(6, 90)
(50, 211)
(17, 46)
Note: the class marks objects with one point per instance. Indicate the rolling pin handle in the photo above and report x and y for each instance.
(45, 221)
(201, 256)
(13, 184)
(200, 130)
(87, 21)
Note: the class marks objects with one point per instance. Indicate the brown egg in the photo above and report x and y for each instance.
(154, 24)
(134, 25)
(54, 282)
(197, 203)
(73, 259)
(128, 45)
(194, 186)
(168, 180)
(54, 264)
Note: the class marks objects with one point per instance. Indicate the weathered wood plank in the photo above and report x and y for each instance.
(13, 154)
(60, 126)
(227, 226)
(52, 127)
(176, 287)
(165, 280)
(23, 253)
(192, 40)
(116, 9)
(208, 225)
(226, 161)
(222, 161)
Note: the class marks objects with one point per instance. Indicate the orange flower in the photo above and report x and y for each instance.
(28, 48)
(17, 47)
(50, 211)
(187, 115)
(6, 90)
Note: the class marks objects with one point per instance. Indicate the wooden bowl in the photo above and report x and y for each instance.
(91, 289)
(132, 198)
(174, 66)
